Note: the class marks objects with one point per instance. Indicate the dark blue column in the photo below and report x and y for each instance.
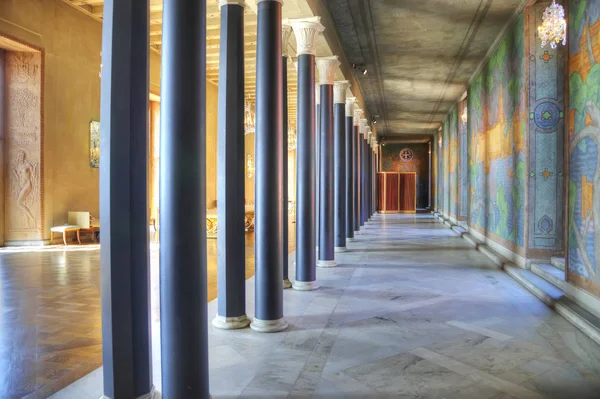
(370, 178)
(339, 152)
(356, 167)
(317, 160)
(286, 32)
(124, 271)
(326, 254)
(363, 172)
(306, 32)
(231, 255)
(268, 171)
(183, 201)
(349, 169)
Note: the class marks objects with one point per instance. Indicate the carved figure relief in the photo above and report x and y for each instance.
(23, 205)
(24, 185)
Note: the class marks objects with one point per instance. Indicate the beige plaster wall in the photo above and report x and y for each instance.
(71, 44)
(211, 143)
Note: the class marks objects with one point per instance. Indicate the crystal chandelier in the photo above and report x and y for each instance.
(248, 118)
(465, 116)
(553, 29)
(292, 137)
(249, 166)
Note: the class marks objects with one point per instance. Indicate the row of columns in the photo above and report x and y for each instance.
(345, 184)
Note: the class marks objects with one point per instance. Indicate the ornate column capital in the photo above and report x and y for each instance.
(339, 91)
(364, 125)
(357, 115)
(295, 62)
(317, 93)
(306, 31)
(286, 32)
(326, 67)
(222, 3)
(350, 106)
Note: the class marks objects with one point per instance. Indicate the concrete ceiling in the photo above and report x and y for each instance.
(419, 54)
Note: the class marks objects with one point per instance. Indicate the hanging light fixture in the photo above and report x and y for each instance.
(553, 29)
(249, 166)
(292, 139)
(248, 118)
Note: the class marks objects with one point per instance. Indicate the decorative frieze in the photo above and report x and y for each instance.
(327, 67)
(306, 31)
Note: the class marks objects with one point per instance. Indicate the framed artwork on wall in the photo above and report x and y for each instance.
(95, 144)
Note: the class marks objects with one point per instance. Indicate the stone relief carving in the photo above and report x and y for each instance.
(23, 207)
(24, 187)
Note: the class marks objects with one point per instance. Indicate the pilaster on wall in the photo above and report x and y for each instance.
(546, 164)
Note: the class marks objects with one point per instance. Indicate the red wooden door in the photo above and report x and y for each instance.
(408, 192)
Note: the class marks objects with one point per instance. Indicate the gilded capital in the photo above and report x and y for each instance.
(326, 67)
(350, 106)
(241, 3)
(317, 93)
(306, 31)
(339, 91)
(286, 32)
(357, 115)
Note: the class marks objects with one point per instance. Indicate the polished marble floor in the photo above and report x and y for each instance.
(410, 312)
(50, 313)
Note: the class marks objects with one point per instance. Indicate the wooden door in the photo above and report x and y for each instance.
(388, 185)
(408, 192)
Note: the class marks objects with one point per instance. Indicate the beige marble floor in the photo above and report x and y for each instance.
(410, 312)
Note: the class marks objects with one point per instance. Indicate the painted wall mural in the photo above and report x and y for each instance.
(446, 166)
(463, 184)
(392, 161)
(497, 126)
(584, 144)
(546, 138)
(23, 207)
(453, 162)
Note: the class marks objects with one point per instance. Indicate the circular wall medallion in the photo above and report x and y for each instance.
(406, 154)
(546, 115)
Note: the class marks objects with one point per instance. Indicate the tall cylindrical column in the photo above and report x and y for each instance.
(357, 170)
(326, 256)
(268, 190)
(286, 32)
(317, 158)
(363, 171)
(124, 263)
(231, 237)
(339, 160)
(184, 334)
(306, 32)
(369, 176)
(350, 168)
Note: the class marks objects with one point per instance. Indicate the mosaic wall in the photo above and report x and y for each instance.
(546, 139)
(392, 161)
(497, 137)
(584, 143)
(452, 163)
(445, 167)
(463, 183)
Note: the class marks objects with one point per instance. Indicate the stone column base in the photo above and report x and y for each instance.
(326, 263)
(268, 326)
(305, 285)
(287, 283)
(231, 323)
(340, 249)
